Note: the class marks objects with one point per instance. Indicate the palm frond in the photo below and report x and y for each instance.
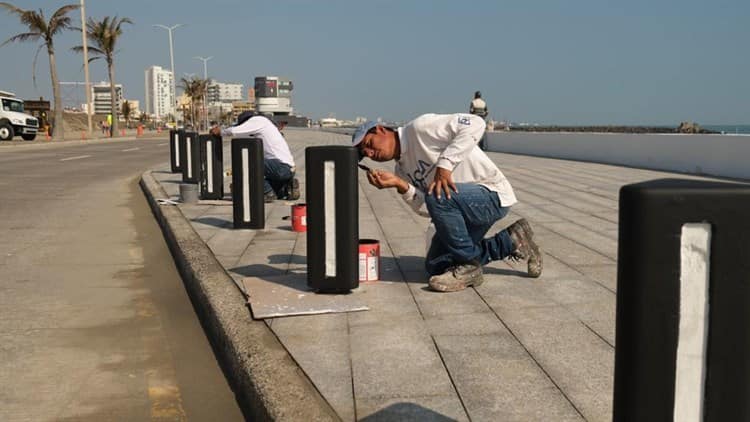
(28, 36)
(33, 65)
(35, 20)
(59, 13)
(15, 10)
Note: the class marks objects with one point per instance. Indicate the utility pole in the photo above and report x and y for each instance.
(205, 93)
(171, 60)
(86, 68)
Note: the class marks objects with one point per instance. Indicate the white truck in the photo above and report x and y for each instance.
(14, 121)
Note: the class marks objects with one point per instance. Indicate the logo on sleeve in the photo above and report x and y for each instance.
(464, 120)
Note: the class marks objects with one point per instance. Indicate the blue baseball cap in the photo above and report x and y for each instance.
(361, 131)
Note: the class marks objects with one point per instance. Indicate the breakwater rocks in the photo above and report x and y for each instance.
(684, 127)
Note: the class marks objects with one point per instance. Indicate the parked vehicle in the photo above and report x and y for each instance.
(13, 119)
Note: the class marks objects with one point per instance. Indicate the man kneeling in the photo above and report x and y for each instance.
(443, 174)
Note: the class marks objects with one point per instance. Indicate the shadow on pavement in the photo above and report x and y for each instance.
(213, 221)
(406, 412)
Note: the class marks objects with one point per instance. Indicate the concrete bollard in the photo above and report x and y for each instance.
(174, 150)
(248, 208)
(212, 167)
(190, 158)
(188, 193)
(332, 218)
(683, 302)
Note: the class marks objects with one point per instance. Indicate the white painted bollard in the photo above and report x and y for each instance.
(683, 302)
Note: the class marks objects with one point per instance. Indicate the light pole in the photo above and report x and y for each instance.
(86, 66)
(205, 79)
(171, 60)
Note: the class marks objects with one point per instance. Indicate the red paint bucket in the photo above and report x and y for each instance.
(369, 260)
(299, 217)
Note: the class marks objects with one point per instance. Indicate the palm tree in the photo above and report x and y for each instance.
(194, 88)
(104, 35)
(41, 29)
(127, 112)
(187, 86)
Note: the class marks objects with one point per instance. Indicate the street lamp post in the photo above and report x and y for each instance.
(171, 59)
(205, 93)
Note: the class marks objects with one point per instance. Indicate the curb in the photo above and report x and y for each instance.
(267, 382)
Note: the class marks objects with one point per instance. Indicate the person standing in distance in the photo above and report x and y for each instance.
(279, 181)
(442, 174)
(479, 107)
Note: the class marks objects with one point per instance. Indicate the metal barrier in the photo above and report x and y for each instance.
(683, 302)
(247, 183)
(332, 218)
(212, 167)
(190, 158)
(175, 142)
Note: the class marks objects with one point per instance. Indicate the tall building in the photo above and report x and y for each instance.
(101, 96)
(159, 99)
(219, 92)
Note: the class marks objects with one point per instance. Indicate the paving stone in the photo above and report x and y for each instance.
(498, 381)
(396, 359)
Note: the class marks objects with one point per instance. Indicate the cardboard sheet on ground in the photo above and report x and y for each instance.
(286, 295)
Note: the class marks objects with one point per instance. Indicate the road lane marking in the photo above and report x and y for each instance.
(75, 158)
(131, 149)
(161, 145)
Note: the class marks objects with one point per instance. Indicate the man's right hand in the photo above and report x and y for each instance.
(383, 179)
(216, 131)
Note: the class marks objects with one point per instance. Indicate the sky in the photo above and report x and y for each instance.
(568, 62)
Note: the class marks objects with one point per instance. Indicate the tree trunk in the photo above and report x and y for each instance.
(58, 132)
(113, 100)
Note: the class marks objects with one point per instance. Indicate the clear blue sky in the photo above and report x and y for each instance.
(546, 61)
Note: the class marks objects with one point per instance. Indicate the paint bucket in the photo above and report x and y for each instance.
(369, 260)
(299, 217)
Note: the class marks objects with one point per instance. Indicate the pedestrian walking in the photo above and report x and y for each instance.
(479, 107)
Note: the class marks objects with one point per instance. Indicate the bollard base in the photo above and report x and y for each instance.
(189, 193)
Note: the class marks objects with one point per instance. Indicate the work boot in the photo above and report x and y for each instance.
(294, 194)
(524, 246)
(269, 196)
(457, 278)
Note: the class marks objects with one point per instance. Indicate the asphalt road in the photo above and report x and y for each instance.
(94, 321)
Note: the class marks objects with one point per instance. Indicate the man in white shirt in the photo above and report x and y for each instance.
(279, 181)
(442, 174)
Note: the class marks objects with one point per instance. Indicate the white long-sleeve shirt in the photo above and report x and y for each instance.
(447, 141)
(274, 144)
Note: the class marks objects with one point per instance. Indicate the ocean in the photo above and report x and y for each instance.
(729, 129)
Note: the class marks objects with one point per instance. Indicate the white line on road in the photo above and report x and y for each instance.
(131, 149)
(161, 145)
(75, 158)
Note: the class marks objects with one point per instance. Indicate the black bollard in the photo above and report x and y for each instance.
(683, 302)
(212, 167)
(174, 150)
(247, 183)
(190, 158)
(332, 218)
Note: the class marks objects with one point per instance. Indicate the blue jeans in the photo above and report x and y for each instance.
(277, 177)
(461, 224)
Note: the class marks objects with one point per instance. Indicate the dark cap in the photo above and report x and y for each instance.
(244, 116)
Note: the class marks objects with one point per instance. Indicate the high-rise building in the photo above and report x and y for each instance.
(101, 96)
(219, 92)
(159, 99)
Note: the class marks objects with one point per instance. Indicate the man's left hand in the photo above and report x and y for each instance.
(216, 131)
(442, 182)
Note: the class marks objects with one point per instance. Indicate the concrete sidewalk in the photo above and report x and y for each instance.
(514, 348)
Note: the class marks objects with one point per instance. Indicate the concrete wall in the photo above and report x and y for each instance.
(715, 155)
